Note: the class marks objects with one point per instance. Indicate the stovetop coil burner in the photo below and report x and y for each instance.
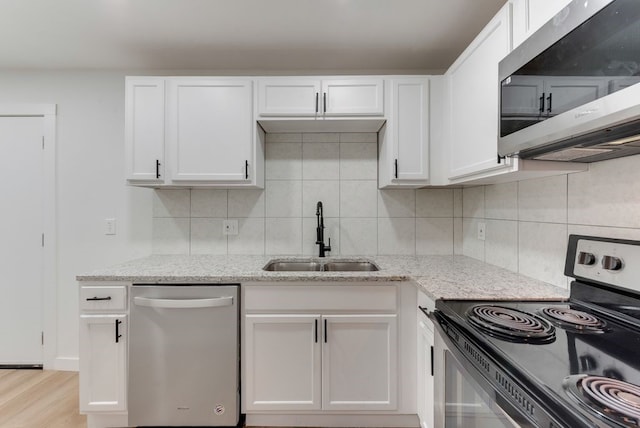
(573, 320)
(511, 324)
(614, 400)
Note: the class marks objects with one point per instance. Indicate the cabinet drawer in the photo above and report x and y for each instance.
(100, 298)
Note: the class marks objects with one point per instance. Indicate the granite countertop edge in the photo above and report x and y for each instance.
(439, 277)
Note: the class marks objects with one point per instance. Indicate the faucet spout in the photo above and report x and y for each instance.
(322, 248)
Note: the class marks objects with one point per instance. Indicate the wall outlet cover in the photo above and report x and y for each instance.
(482, 230)
(109, 226)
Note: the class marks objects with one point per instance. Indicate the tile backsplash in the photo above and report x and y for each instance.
(339, 169)
(528, 222)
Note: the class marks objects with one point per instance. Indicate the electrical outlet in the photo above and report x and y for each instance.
(482, 230)
(230, 227)
(109, 226)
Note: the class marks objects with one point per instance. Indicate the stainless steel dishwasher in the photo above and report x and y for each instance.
(183, 355)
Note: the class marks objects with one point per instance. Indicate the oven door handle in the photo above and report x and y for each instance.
(184, 303)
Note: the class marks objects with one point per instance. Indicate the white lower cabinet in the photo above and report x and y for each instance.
(103, 363)
(320, 362)
(425, 372)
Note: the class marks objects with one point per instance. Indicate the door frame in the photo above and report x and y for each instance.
(49, 274)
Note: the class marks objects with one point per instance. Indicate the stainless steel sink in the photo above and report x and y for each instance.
(350, 266)
(316, 266)
(292, 266)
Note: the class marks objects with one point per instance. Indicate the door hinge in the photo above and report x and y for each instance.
(42, 338)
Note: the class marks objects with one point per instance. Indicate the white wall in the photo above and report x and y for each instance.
(301, 169)
(528, 222)
(90, 184)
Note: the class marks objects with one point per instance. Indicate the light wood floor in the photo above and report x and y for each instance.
(39, 399)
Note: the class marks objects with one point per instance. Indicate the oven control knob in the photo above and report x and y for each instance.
(611, 263)
(586, 258)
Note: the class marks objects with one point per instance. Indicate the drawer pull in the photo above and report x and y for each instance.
(94, 299)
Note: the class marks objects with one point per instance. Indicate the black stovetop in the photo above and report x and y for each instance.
(614, 353)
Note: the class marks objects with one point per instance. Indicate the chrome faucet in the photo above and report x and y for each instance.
(320, 232)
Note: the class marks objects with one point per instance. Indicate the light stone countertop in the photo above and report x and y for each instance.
(440, 277)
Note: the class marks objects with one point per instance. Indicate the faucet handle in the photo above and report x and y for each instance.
(328, 246)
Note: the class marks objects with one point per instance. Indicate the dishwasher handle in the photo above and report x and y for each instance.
(184, 303)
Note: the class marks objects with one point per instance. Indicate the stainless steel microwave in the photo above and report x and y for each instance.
(570, 91)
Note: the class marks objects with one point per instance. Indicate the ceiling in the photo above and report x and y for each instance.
(239, 35)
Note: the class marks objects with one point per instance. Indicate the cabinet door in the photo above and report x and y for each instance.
(144, 129)
(103, 363)
(359, 362)
(288, 97)
(353, 97)
(210, 130)
(566, 93)
(473, 80)
(425, 372)
(530, 15)
(410, 125)
(282, 362)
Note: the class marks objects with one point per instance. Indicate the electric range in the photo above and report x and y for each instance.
(573, 363)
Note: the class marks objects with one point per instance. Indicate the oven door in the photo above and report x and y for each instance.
(461, 401)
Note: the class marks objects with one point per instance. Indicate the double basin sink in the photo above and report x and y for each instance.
(320, 266)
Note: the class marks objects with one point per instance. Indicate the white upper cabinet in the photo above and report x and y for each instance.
(184, 131)
(404, 141)
(318, 98)
(530, 15)
(144, 124)
(473, 91)
(210, 129)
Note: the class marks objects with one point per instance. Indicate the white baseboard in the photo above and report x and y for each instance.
(302, 420)
(66, 364)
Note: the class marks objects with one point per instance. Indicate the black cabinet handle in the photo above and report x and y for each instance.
(541, 109)
(118, 335)
(96, 298)
(432, 361)
(315, 334)
(549, 103)
(317, 96)
(395, 163)
(246, 170)
(157, 168)
(324, 102)
(325, 331)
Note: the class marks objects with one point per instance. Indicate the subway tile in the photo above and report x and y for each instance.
(434, 236)
(471, 245)
(283, 198)
(501, 201)
(170, 236)
(250, 238)
(207, 237)
(326, 191)
(359, 161)
(595, 199)
(457, 202)
(359, 137)
(501, 244)
(396, 203)
(434, 202)
(543, 199)
(358, 198)
(283, 236)
(283, 161)
(396, 236)
(607, 232)
(171, 203)
(210, 203)
(320, 137)
(285, 137)
(541, 251)
(457, 235)
(358, 236)
(321, 161)
(473, 202)
(246, 203)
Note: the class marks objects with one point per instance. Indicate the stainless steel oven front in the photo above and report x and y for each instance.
(462, 397)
